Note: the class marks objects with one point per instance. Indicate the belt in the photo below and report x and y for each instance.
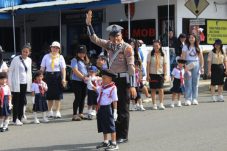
(52, 72)
(192, 60)
(122, 75)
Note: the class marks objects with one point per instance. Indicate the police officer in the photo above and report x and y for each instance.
(121, 61)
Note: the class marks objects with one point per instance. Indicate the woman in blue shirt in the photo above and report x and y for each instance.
(79, 67)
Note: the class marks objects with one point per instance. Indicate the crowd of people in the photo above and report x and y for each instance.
(110, 84)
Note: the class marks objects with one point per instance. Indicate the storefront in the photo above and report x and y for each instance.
(149, 20)
(179, 18)
(41, 26)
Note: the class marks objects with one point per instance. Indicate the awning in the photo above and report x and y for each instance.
(45, 4)
(58, 5)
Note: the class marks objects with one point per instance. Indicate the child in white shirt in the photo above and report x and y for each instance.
(39, 88)
(178, 82)
(5, 102)
(92, 95)
(107, 110)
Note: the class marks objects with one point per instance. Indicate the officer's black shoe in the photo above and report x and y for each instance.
(4, 129)
(103, 145)
(1, 128)
(122, 140)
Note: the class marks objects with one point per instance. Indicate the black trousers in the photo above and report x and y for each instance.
(80, 91)
(122, 123)
(19, 100)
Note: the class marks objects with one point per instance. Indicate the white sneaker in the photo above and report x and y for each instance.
(187, 103)
(172, 105)
(141, 108)
(57, 114)
(214, 99)
(36, 121)
(161, 106)
(179, 104)
(93, 113)
(195, 102)
(220, 98)
(18, 122)
(131, 107)
(146, 100)
(155, 107)
(134, 108)
(25, 121)
(24, 117)
(45, 120)
(50, 114)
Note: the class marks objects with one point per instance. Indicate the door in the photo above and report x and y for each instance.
(42, 37)
(163, 20)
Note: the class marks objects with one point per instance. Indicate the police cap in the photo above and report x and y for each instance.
(114, 30)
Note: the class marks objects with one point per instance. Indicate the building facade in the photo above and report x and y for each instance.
(149, 20)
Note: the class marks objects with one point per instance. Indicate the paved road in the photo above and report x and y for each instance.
(194, 128)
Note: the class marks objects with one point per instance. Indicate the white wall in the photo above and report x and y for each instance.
(209, 13)
(148, 9)
(144, 9)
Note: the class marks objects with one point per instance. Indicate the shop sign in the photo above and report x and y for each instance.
(9, 3)
(199, 21)
(79, 17)
(216, 29)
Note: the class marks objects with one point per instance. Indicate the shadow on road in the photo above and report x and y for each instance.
(70, 147)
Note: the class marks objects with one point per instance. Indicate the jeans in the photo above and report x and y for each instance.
(192, 81)
(172, 61)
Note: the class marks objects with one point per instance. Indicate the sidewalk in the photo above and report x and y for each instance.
(203, 86)
(67, 102)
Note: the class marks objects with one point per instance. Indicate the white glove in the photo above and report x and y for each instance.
(10, 106)
(115, 114)
(33, 100)
(89, 83)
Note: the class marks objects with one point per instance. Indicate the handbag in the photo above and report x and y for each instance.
(225, 85)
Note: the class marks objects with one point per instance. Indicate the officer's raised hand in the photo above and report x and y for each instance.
(89, 17)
